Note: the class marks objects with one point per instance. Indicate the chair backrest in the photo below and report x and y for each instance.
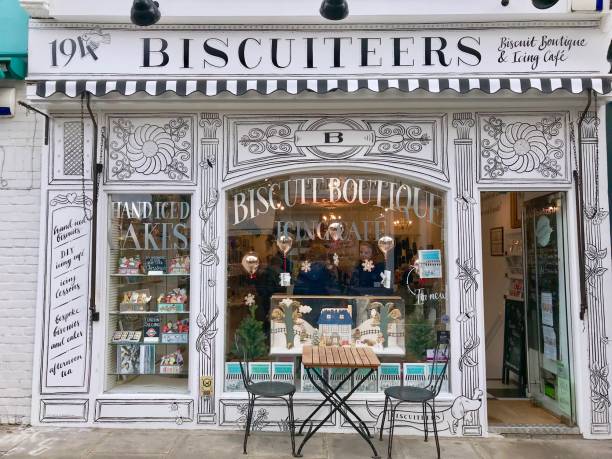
(242, 351)
(440, 361)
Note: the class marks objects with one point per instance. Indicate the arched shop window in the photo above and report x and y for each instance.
(335, 259)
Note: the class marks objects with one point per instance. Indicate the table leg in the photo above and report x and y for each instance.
(339, 404)
(346, 406)
(325, 395)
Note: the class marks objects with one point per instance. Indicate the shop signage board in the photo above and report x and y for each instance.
(66, 328)
(268, 51)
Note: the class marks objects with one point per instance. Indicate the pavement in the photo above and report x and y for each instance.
(67, 443)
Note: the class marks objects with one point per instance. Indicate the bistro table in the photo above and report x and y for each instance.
(314, 360)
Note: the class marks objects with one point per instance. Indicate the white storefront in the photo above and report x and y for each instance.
(203, 131)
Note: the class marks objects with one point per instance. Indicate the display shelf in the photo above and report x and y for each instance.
(150, 275)
(183, 374)
(140, 343)
(147, 313)
(394, 351)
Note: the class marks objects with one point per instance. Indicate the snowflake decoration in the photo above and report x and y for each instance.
(305, 266)
(336, 259)
(304, 309)
(249, 300)
(368, 265)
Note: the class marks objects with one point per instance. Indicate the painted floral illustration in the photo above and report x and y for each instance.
(521, 147)
(150, 149)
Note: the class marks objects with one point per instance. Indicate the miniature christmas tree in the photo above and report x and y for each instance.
(251, 333)
(420, 335)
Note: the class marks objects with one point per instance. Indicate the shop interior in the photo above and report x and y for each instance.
(528, 353)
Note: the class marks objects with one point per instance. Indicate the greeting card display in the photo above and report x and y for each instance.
(173, 301)
(179, 265)
(130, 265)
(135, 300)
(126, 336)
(147, 360)
(151, 329)
(128, 359)
(155, 265)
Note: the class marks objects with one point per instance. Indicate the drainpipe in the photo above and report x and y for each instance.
(577, 174)
(97, 168)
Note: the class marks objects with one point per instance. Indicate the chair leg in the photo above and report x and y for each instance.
(425, 427)
(247, 427)
(435, 426)
(292, 425)
(391, 429)
(382, 423)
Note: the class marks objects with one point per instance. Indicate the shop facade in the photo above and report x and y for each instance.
(309, 185)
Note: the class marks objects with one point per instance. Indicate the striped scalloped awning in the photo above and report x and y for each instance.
(73, 88)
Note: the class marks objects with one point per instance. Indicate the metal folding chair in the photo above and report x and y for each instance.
(426, 395)
(264, 389)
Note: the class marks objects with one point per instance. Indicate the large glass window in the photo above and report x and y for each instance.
(335, 260)
(148, 293)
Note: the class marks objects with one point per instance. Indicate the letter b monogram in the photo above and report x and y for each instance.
(333, 137)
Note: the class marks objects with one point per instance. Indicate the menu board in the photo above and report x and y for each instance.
(66, 341)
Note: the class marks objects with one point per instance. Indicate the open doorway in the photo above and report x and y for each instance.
(527, 327)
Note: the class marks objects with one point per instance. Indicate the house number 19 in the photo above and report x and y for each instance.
(68, 48)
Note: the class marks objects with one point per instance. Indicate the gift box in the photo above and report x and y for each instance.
(129, 265)
(171, 307)
(175, 338)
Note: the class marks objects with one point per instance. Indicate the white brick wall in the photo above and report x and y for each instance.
(19, 240)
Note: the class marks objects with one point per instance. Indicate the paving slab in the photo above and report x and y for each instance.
(538, 449)
(138, 441)
(417, 448)
(57, 442)
(11, 437)
(208, 445)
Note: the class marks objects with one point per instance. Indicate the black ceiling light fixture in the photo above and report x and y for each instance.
(544, 4)
(334, 10)
(145, 12)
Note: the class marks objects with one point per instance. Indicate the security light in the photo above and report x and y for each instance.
(544, 4)
(334, 10)
(145, 12)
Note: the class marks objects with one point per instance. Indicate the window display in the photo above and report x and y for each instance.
(336, 260)
(148, 293)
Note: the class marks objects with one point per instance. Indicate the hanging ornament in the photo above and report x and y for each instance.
(336, 230)
(386, 244)
(284, 243)
(250, 263)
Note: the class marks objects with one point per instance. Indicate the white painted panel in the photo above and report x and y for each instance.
(129, 410)
(64, 410)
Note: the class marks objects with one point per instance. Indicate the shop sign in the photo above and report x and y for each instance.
(310, 53)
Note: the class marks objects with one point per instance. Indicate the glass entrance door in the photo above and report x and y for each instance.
(547, 319)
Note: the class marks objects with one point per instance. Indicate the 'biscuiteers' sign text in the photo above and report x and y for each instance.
(248, 53)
